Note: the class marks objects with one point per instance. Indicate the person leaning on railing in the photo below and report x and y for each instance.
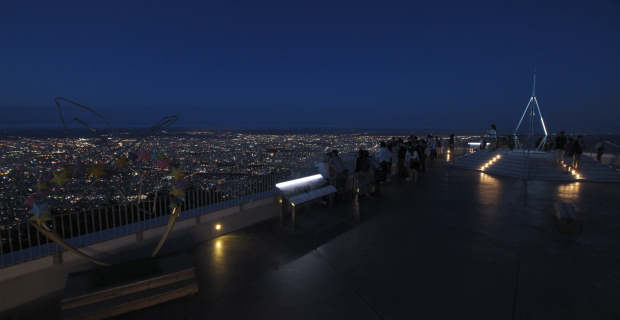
(451, 144)
(337, 171)
(578, 147)
(384, 157)
(413, 164)
(492, 136)
(600, 149)
(560, 147)
(363, 170)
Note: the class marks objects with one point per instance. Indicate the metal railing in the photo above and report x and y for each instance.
(21, 242)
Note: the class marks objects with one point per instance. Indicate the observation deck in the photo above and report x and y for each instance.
(459, 243)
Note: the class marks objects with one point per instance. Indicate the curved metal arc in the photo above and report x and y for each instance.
(82, 122)
(79, 105)
(171, 222)
(165, 122)
(53, 236)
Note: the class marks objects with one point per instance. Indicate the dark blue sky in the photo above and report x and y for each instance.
(377, 64)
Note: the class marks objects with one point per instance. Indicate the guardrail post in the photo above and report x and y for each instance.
(356, 206)
(282, 209)
(293, 215)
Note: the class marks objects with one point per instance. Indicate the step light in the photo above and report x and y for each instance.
(491, 162)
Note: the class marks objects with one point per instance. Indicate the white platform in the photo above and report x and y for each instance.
(534, 165)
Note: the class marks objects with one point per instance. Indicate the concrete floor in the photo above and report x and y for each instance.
(458, 244)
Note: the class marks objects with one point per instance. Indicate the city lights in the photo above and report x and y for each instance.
(216, 161)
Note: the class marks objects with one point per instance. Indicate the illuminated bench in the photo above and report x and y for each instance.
(295, 193)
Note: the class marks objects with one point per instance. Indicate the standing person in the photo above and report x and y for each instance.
(433, 149)
(421, 148)
(340, 170)
(548, 145)
(569, 148)
(600, 149)
(492, 134)
(578, 148)
(325, 170)
(331, 170)
(451, 144)
(402, 151)
(394, 148)
(410, 139)
(385, 160)
(362, 170)
(413, 164)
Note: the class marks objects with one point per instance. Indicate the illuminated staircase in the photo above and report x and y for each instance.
(535, 166)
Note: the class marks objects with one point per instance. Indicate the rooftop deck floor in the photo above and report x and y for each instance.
(458, 244)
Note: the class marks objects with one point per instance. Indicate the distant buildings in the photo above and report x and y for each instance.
(209, 159)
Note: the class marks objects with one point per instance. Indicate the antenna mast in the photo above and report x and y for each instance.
(532, 118)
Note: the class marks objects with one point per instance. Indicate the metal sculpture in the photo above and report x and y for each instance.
(121, 160)
(529, 108)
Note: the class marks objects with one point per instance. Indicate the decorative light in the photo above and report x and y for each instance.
(295, 182)
(218, 227)
(490, 162)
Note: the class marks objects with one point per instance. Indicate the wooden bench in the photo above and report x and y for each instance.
(298, 192)
(118, 289)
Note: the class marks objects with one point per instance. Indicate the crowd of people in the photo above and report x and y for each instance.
(568, 147)
(404, 160)
(396, 160)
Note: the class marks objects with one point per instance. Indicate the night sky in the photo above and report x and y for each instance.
(311, 64)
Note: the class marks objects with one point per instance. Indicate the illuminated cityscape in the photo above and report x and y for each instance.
(209, 158)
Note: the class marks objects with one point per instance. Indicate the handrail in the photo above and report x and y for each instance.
(21, 242)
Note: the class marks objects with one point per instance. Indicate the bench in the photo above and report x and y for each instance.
(118, 289)
(298, 192)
